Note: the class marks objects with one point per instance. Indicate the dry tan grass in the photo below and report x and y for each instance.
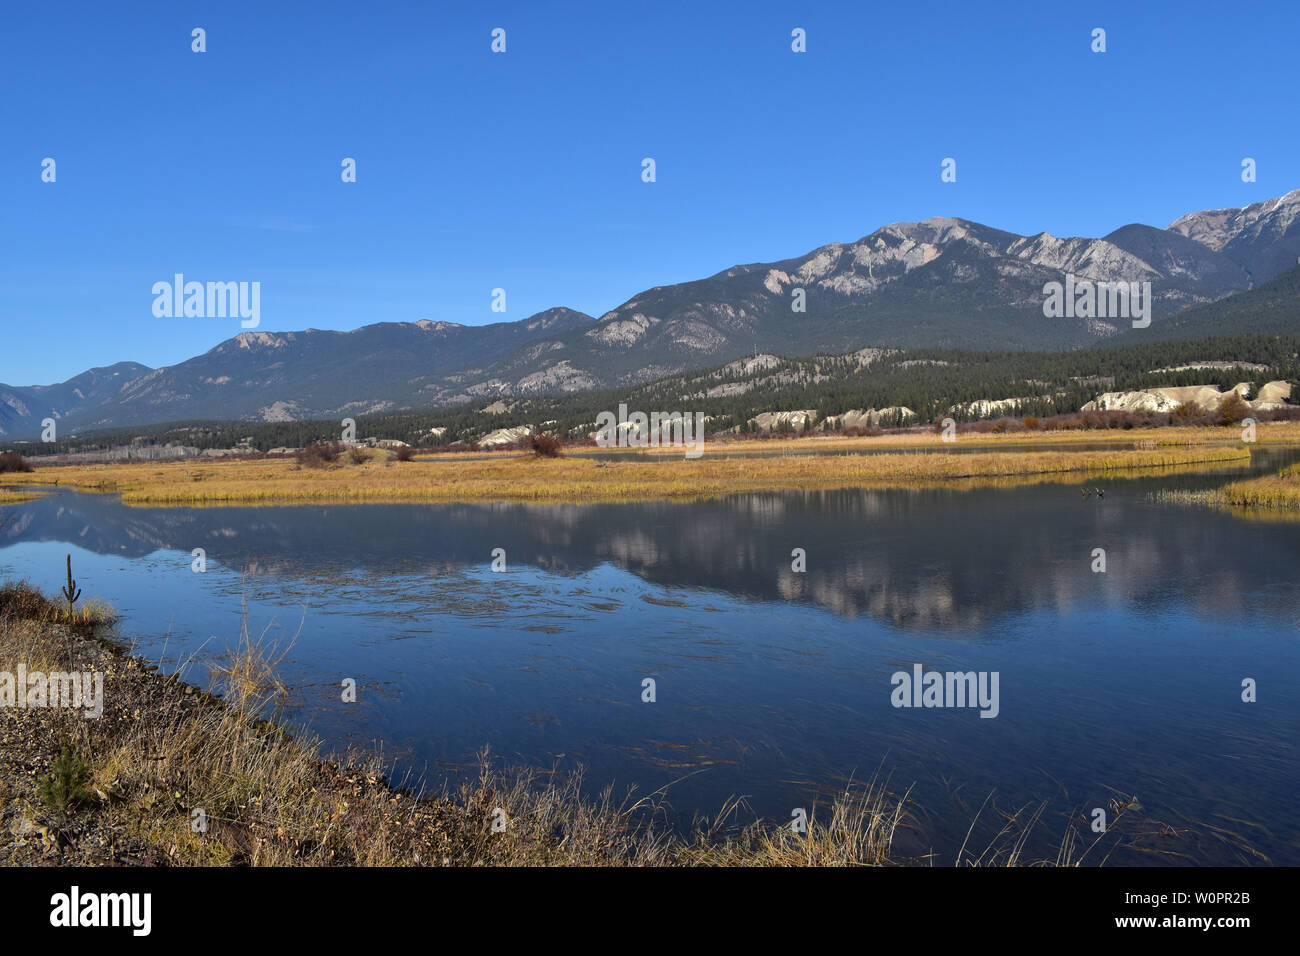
(578, 480)
(857, 829)
(8, 497)
(1280, 491)
(20, 601)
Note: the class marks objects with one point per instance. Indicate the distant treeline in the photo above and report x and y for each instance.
(928, 381)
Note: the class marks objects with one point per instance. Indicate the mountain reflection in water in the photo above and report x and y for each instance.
(775, 683)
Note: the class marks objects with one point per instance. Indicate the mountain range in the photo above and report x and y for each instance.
(942, 282)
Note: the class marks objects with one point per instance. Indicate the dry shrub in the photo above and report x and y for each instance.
(546, 445)
(20, 601)
(1291, 413)
(404, 453)
(319, 454)
(1231, 410)
(12, 461)
(1190, 414)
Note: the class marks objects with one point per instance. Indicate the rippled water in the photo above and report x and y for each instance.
(770, 683)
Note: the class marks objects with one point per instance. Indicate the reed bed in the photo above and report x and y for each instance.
(1281, 491)
(8, 497)
(558, 480)
(1272, 496)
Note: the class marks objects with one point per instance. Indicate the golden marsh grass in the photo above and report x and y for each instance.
(8, 497)
(1258, 496)
(575, 479)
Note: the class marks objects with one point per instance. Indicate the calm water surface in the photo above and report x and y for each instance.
(770, 684)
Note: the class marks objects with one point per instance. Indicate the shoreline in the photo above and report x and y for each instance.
(165, 751)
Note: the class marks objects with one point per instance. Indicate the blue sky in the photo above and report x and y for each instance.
(522, 170)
